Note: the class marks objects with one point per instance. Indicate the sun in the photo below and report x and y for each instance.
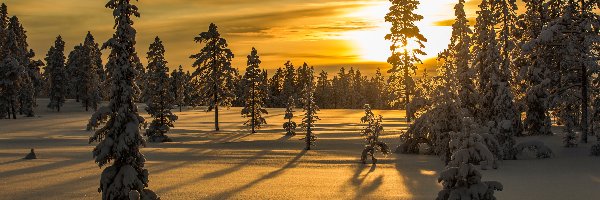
(369, 43)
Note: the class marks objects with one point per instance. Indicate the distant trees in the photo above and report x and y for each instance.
(119, 141)
(255, 93)
(213, 68)
(371, 134)
(58, 81)
(19, 74)
(310, 111)
(407, 44)
(85, 67)
(158, 100)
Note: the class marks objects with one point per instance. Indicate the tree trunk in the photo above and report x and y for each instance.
(253, 103)
(584, 104)
(14, 113)
(216, 110)
(309, 124)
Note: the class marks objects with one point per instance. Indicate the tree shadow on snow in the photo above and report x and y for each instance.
(292, 163)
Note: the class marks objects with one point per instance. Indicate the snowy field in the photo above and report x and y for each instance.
(232, 164)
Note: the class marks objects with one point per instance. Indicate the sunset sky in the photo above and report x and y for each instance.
(324, 33)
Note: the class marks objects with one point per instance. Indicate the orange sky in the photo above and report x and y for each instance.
(326, 34)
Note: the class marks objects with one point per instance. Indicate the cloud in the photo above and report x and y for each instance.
(450, 22)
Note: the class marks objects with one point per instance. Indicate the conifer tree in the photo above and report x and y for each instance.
(407, 45)
(371, 134)
(213, 68)
(323, 90)
(255, 93)
(289, 126)
(310, 111)
(120, 140)
(88, 78)
(289, 82)
(55, 61)
(275, 89)
(159, 102)
(535, 69)
(178, 84)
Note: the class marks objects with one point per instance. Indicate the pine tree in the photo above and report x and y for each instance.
(178, 84)
(289, 126)
(55, 61)
(255, 93)
(88, 78)
(323, 91)
(74, 73)
(120, 139)
(407, 45)
(371, 134)
(289, 82)
(275, 89)
(213, 67)
(310, 111)
(534, 64)
(159, 102)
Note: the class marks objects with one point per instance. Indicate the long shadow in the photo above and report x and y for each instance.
(273, 174)
(417, 183)
(357, 181)
(234, 168)
(45, 167)
(12, 161)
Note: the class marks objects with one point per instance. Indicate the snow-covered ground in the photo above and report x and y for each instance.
(232, 164)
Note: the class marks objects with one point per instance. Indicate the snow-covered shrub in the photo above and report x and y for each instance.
(570, 139)
(432, 127)
(371, 134)
(289, 126)
(542, 151)
(464, 182)
(468, 146)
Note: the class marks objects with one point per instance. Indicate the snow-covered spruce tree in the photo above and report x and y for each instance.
(474, 147)
(289, 82)
(464, 182)
(457, 57)
(573, 36)
(371, 133)
(534, 70)
(323, 91)
(32, 88)
(120, 139)
(177, 90)
(289, 126)
(73, 72)
(158, 101)
(441, 112)
(213, 68)
(404, 34)
(88, 79)
(255, 93)
(310, 111)
(497, 103)
(275, 87)
(55, 60)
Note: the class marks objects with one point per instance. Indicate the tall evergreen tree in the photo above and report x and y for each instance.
(55, 60)
(323, 91)
(255, 93)
(88, 76)
(158, 100)
(213, 67)
(120, 139)
(310, 111)
(289, 82)
(407, 44)
(177, 89)
(534, 69)
(275, 89)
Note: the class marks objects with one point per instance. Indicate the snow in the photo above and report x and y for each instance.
(234, 164)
